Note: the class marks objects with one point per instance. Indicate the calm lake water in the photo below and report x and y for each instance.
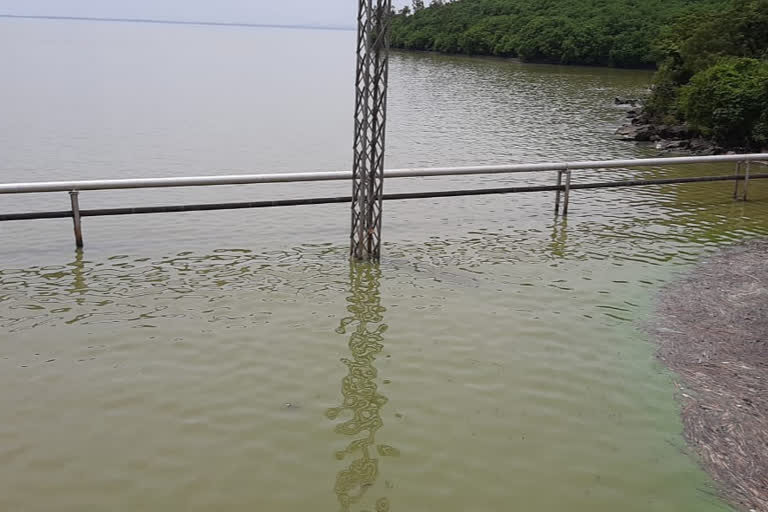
(496, 360)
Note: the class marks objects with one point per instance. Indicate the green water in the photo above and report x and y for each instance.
(505, 369)
(497, 359)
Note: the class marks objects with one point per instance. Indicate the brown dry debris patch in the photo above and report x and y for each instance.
(713, 332)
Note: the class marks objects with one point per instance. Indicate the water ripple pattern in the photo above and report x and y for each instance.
(233, 361)
(360, 391)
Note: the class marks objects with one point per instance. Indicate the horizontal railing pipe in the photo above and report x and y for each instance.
(202, 181)
(346, 199)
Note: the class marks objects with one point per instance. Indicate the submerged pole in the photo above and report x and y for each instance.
(373, 26)
(567, 201)
(736, 181)
(74, 199)
(747, 170)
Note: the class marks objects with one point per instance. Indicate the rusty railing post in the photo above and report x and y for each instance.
(736, 182)
(74, 199)
(747, 169)
(567, 199)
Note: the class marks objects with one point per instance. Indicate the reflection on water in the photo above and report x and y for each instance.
(361, 396)
(148, 372)
(165, 369)
(78, 280)
(559, 241)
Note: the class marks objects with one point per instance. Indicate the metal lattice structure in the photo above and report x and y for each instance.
(370, 126)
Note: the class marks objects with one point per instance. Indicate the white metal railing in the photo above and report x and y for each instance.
(250, 179)
(564, 185)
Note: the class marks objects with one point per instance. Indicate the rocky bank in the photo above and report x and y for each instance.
(666, 138)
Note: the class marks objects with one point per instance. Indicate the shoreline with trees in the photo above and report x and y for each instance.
(711, 55)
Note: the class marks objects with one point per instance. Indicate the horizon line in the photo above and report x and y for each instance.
(176, 22)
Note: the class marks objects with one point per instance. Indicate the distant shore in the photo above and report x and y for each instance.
(174, 22)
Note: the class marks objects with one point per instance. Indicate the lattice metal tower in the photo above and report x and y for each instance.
(373, 27)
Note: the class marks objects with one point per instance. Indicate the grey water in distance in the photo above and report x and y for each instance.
(496, 360)
(174, 22)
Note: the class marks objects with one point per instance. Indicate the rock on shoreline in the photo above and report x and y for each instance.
(666, 138)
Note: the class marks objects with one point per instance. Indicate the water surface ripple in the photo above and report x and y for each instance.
(495, 360)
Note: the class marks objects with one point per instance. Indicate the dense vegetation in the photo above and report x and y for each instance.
(595, 32)
(713, 75)
(712, 55)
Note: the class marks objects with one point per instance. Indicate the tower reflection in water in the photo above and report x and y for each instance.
(362, 399)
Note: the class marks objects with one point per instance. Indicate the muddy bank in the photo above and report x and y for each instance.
(712, 327)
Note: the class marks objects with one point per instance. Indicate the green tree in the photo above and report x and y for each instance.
(713, 74)
(729, 101)
(596, 32)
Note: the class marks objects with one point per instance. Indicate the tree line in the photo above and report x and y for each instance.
(593, 32)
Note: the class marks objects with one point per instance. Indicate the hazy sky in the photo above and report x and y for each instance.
(320, 12)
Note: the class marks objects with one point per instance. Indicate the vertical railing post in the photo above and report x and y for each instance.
(747, 169)
(567, 199)
(373, 31)
(557, 194)
(736, 182)
(75, 200)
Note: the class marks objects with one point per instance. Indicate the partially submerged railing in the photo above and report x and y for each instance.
(562, 188)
